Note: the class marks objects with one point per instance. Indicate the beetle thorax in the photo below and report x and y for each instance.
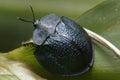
(44, 28)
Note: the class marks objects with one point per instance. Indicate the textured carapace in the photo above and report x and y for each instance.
(64, 48)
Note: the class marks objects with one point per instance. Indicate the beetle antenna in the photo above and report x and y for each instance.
(24, 20)
(32, 13)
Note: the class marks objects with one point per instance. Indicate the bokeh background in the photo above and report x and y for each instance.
(13, 32)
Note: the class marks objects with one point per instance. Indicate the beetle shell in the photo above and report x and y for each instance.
(64, 48)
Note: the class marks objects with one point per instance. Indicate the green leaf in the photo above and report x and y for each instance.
(13, 70)
(104, 19)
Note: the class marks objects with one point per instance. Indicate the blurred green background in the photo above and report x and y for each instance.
(14, 32)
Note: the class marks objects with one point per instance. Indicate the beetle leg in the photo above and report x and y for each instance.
(27, 43)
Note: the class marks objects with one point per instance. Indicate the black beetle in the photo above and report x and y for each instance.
(64, 47)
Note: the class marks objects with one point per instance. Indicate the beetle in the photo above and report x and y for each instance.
(63, 46)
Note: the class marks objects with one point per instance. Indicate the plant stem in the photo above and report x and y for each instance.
(103, 41)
